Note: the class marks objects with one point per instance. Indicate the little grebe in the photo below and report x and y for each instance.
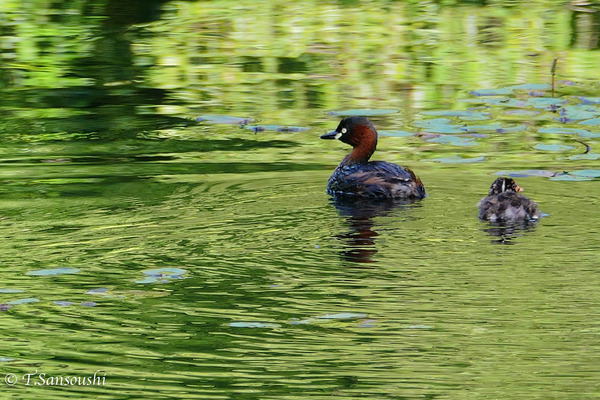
(356, 176)
(505, 204)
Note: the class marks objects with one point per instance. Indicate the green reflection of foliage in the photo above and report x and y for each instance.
(327, 55)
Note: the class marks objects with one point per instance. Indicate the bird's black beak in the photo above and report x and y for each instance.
(331, 135)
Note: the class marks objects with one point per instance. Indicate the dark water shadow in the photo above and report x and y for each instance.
(505, 232)
(362, 233)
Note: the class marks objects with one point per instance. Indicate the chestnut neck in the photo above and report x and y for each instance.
(363, 141)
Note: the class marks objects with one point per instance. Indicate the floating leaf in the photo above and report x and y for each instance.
(479, 128)
(529, 86)
(587, 156)
(98, 291)
(490, 92)
(439, 125)
(592, 122)
(426, 123)
(588, 173)
(24, 301)
(589, 100)
(466, 114)
(164, 272)
(527, 173)
(224, 119)
(458, 160)
(63, 303)
(276, 128)
(367, 323)
(54, 271)
(574, 113)
(552, 147)
(347, 315)
(11, 291)
(564, 131)
(521, 113)
(453, 140)
(395, 133)
(496, 127)
(543, 102)
(419, 327)
(253, 325)
(568, 177)
(364, 112)
(446, 129)
(161, 275)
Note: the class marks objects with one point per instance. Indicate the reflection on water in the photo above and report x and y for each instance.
(507, 232)
(198, 260)
(360, 240)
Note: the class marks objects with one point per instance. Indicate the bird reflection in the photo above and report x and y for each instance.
(505, 232)
(360, 239)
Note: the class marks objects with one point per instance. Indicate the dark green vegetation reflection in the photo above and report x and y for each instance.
(166, 227)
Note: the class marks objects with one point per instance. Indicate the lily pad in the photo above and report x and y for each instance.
(564, 131)
(592, 122)
(464, 114)
(11, 291)
(527, 173)
(276, 128)
(98, 291)
(395, 133)
(521, 113)
(496, 127)
(491, 92)
(440, 125)
(458, 160)
(224, 119)
(589, 100)
(164, 272)
(552, 147)
(63, 303)
(587, 156)
(364, 112)
(426, 123)
(161, 275)
(569, 177)
(544, 102)
(24, 301)
(575, 113)
(344, 315)
(588, 173)
(367, 323)
(53, 271)
(253, 325)
(453, 140)
(529, 86)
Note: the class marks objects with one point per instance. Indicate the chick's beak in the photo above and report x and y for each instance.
(331, 135)
(518, 188)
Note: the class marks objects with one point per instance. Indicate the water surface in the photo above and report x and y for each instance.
(188, 259)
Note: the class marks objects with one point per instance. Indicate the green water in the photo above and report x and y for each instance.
(181, 260)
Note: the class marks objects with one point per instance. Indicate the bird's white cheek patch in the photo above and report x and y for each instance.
(338, 135)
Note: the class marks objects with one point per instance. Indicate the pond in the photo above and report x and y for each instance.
(166, 228)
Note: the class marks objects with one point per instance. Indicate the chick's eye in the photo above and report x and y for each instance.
(344, 130)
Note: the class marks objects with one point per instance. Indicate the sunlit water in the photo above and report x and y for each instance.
(177, 259)
(283, 293)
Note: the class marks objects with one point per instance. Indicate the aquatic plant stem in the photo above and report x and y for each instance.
(553, 72)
